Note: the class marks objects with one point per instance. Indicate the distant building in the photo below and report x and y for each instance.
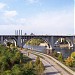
(31, 34)
(25, 34)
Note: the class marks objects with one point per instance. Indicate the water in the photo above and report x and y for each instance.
(65, 51)
(36, 48)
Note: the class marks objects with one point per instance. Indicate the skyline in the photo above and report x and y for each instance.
(37, 16)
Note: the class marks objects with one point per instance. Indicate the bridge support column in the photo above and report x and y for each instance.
(22, 43)
(19, 41)
(52, 42)
(73, 43)
(51, 45)
(2, 40)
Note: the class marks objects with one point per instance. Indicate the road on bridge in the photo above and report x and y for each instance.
(51, 68)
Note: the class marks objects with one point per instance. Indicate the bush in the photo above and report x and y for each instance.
(11, 63)
(69, 61)
(39, 66)
(37, 60)
(60, 57)
(73, 55)
(55, 54)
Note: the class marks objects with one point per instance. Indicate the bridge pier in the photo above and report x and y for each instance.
(19, 41)
(2, 41)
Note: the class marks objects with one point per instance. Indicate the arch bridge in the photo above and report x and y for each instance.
(52, 40)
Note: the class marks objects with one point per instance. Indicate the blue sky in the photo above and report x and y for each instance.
(52, 17)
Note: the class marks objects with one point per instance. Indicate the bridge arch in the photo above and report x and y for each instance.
(10, 40)
(65, 41)
(44, 39)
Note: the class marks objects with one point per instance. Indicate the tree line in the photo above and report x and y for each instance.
(35, 42)
(13, 62)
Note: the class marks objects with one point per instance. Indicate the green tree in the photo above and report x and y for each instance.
(16, 70)
(3, 63)
(41, 67)
(73, 55)
(30, 65)
(60, 57)
(28, 69)
(11, 63)
(34, 42)
(55, 54)
(37, 61)
(7, 72)
(69, 61)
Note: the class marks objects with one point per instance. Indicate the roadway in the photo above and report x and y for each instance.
(51, 68)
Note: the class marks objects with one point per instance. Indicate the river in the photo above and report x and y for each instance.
(65, 51)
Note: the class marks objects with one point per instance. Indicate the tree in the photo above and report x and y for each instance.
(7, 72)
(30, 65)
(11, 63)
(28, 69)
(60, 57)
(3, 63)
(55, 54)
(73, 55)
(16, 70)
(35, 41)
(41, 67)
(37, 61)
(69, 61)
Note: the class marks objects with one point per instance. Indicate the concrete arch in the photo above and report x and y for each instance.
(66, 41)
(44, 39)
(10, 40)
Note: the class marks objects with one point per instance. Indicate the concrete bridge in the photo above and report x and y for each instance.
(52, 40)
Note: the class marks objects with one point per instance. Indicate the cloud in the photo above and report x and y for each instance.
(8, 17)
(2, 5)
(10, 14)
(74, 16)
(47, 22)
(55, 22)
(21, 21)
(32, 1)
(58, 22)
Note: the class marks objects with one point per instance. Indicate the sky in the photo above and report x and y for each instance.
(51, 17)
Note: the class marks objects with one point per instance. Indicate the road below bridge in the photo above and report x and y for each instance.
(51, 68)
